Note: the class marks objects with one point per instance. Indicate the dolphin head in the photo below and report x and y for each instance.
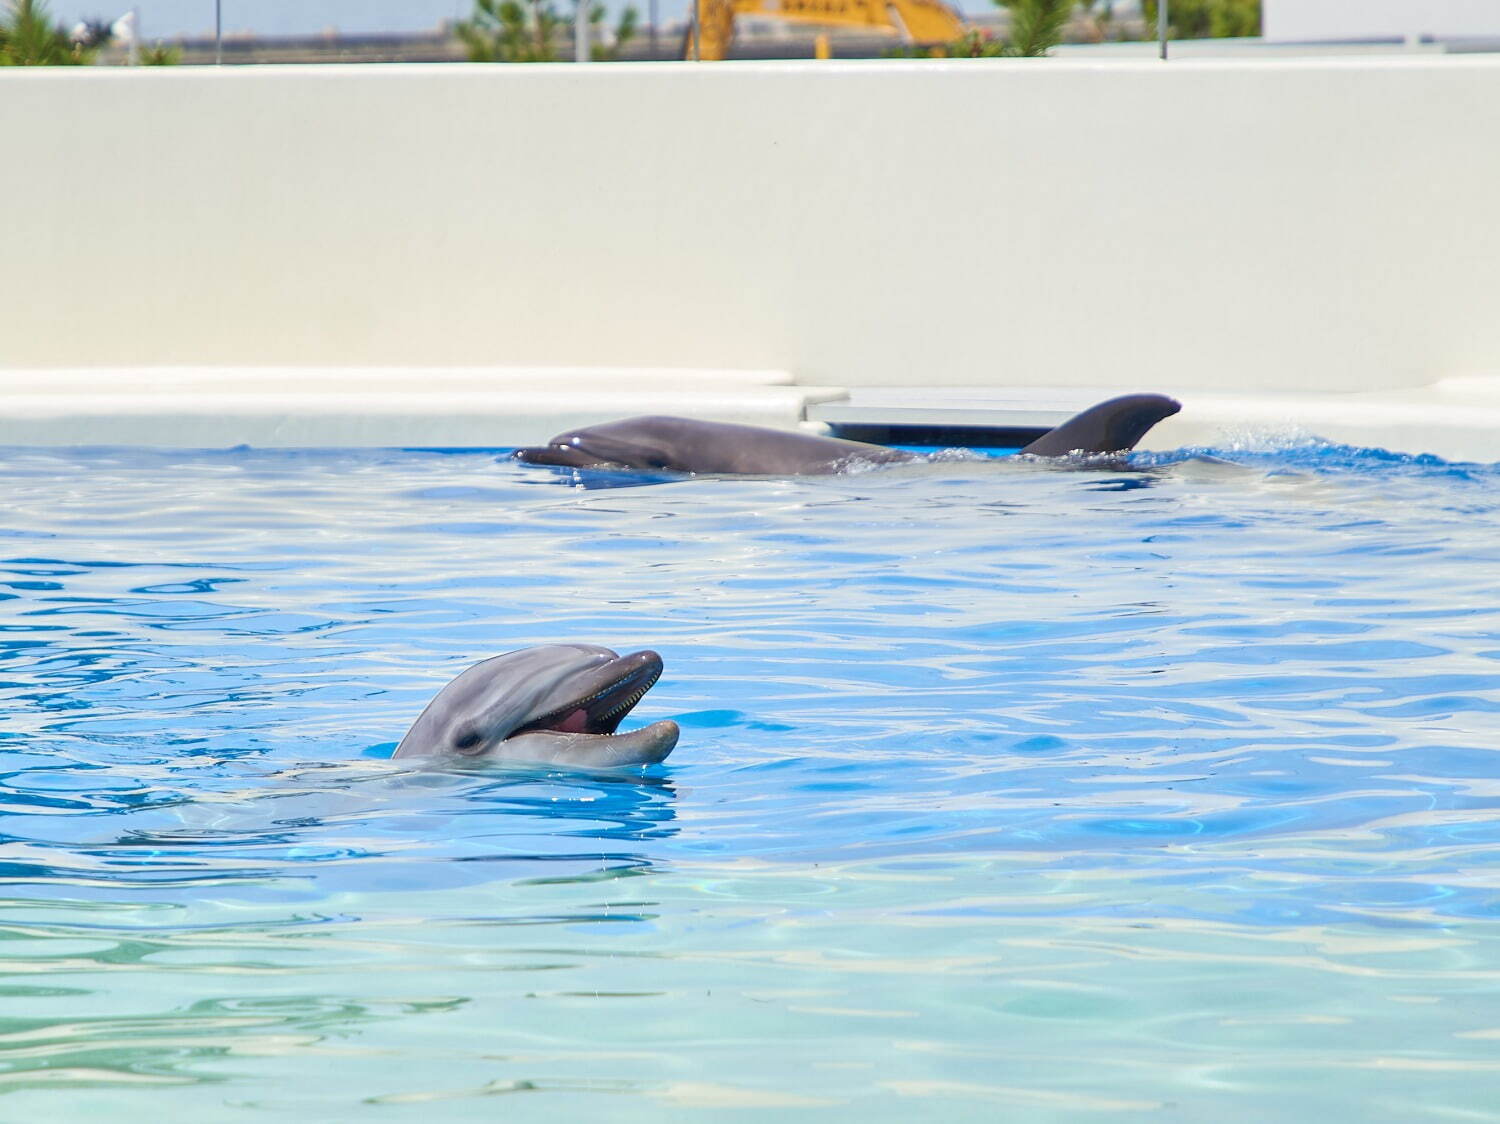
(647, 444)
(555, 704)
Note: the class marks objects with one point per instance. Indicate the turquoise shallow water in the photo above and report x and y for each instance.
(1002, 793)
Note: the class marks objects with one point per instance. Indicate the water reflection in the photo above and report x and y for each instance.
(320, 829)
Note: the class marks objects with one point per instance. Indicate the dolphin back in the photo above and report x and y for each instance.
(689, 445)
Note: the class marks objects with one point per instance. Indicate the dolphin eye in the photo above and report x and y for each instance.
(466, 740)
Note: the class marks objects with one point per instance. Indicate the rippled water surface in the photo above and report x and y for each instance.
(1002, 793)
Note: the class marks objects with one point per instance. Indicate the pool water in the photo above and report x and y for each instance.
(1003, 793)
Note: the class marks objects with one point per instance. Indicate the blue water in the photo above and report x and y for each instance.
(1003, 793)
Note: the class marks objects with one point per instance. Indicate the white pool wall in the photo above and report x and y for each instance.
(1232, 228)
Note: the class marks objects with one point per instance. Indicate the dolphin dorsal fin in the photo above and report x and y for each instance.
(1109, 427)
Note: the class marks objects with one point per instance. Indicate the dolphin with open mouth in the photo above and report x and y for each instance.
(668, 444)
(558, 704)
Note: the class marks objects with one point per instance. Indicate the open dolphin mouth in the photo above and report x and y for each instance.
(607, 695)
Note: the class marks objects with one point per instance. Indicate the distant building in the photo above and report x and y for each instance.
(1340, 20)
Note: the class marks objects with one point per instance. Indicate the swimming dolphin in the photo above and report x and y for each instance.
(556, 704)
(685, 445)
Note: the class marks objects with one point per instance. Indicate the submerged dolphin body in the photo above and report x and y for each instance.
(556, 704)
(668, 444)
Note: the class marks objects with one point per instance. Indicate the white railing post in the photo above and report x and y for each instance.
(581, 30)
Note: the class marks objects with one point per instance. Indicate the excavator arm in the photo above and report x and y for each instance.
(924, 22)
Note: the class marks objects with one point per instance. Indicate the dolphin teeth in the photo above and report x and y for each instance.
(612, 714)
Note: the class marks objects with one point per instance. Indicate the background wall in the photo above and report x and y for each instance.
(1368, 19)
(1294, 224)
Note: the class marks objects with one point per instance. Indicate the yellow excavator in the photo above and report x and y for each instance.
(922, 23)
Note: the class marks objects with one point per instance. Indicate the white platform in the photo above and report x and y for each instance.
(207, 407)
(1457, 418)
(1002, 407)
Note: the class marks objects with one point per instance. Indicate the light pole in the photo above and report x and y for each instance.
(581, 30)
(1161, 27)
(218, 32)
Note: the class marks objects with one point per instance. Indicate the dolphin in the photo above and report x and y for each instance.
(668, 444)
(558, 704)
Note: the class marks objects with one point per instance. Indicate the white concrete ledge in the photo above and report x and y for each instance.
(1457, 419)
(201, 379)
(428, 407)
(1003, 407)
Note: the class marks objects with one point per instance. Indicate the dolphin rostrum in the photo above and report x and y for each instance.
(555, 704)
(668, 444)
